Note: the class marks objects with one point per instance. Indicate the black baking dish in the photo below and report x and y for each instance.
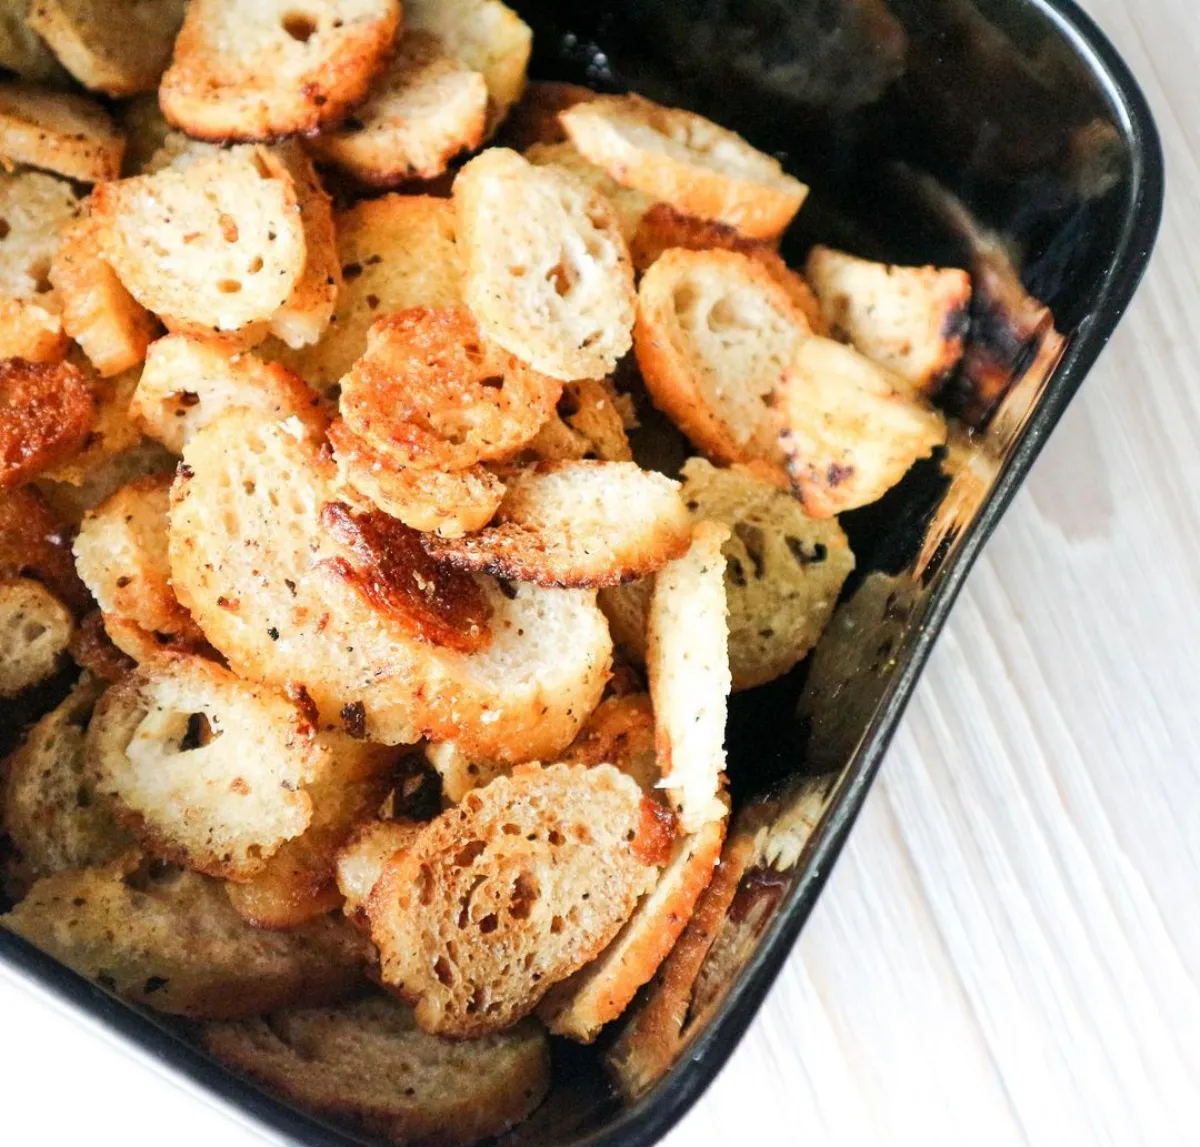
(1002, 135)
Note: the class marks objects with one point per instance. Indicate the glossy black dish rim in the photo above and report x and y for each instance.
(646, 1121)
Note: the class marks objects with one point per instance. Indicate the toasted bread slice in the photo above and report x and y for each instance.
(35, 629)
(715, 333)
(588, 423)
(910, 320)
(629, 204)
(620, 733)
(144, 645)
(71, 502)
(145, 129)
(512, 891)
(685, 160)
(425, 109)
(687, 658)
(250, 497)
(109, 436)
(577, 524)
(395, 252)
(60, 132)
(190, 380)
(46, 412)
(22, 51)
(432, 393)
(851, 433)
(35, 543)
(547, 272)
(783, 569)
(534, 118)
(367, 1064)
(170, 940)
(597, 994)
(93, 650)
(362, 858)
(219, 244)
(30, 331)
(260, 69)
(460, 774)
(35, 208)
(208, 771)
(119, 47)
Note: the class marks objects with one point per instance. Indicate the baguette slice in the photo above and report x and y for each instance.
(369, 1065)
(70, 502)
(685, 160)
(512, 891)
(35, 543)
(46, 412)
(36, 208)
(629, 204)
(170, 940)
(110, 435)
(59, 131)
(360, 861)
(851, 433)
(31, 331)
(588, 424)
(35, 630)
(547, 272)
(260, 69)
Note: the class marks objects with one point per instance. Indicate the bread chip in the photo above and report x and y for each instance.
(910, 320)
(142, 645)
(432, 393)
(92, 649)
(145, 129)
(425, 109)
(362, 858)
(250, 498)
(534, 117)
(59, 131)
(35, 628)
(22, 51)
(547, 272)
(512, 891)
(629, 204)
(783, 569)
(190, 380)
(620, 733)
(110, 435)
(260, 69)
(119, 47)
(714, 335)
(577, 524)
(30, 331)
(208, 771)
(34, 210)
(34, 543)
(219, 244)
(687, 658)
(850, 431)
(368, 1064)
(586, 424)
(435, 501)
(685, 160)
(46, 411)
(170, 940)
(597, 994)
(107, 476)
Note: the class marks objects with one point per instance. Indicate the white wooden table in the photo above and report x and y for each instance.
(1009, 950)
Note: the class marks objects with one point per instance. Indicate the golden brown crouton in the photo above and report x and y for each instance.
(60, 132)
(35, 543)
(30, 331)
(70, 502)
(620, 733)
(110, 435)
(587, 423)
(46, 411)
(35, 209)
(35, 629)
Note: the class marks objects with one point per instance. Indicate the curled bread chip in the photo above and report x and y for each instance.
(249, 558)
(218, 244)
(910, 320)
(547, 272)
(620, 733)
(783, 569)
(109, 324)
(458, 773)
(587, 423)
(189, 380)
(512, 891)
(426, 108)
(367, 1064)
(431, 393)
(92, 649)
(120, 47)
(850, 432)
(32, 330)
(35, 629)
(46, 412)
(362, 858)
(35, 208)
(59, 131)
(110, 435)
(450, 503)
(260, 69)
(35, 543)
(715, 333)
(208, 771)
(533, 119)
(629, 204)
(598, 993)
(685, 160)
(577, 524)
(170, 940)
(687, 659)
(109, 474)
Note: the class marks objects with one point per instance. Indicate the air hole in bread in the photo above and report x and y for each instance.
(443, 971)
(469, 853)
(524, 895)
(229, 286)
(300, 26)
(256, 265)
(5, 228)
(562, 278)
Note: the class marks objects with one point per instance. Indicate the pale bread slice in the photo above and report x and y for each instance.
(629, 204)
(512, 891)
(35, 542)
(588, 423)
(547, 272)
(577, 524)
(367, 1064)
(31, 331)
(597, 994)
(261, 69)
(620, 732)
(207, 770)
(170, 940)
(46, 412)
(683, 159)
(715, 333)
(34, 209)
(361, 860)
(687, 660)
(426, 108)
(850, 431)
(35, 630)
(118, 47)
(911, 321)
(22, 51)
(190, 380)
(459, 773)
(110, 434)
(60, 132)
